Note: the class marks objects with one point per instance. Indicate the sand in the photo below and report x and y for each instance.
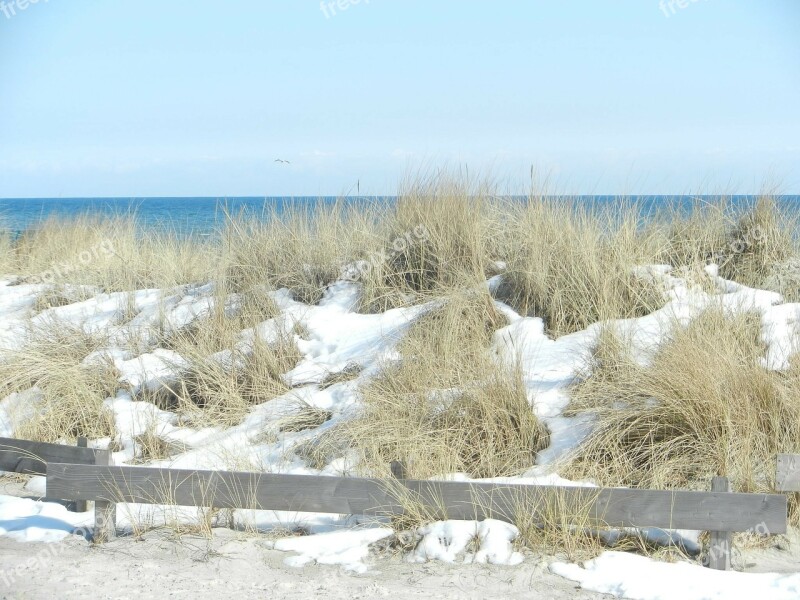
(232, 564)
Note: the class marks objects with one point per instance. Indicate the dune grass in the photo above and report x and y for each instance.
(72, 388)
(569, 263)
(221, 327)
(151, 445)
(761, 242)
(573, 266)
(6, 249)
(61, 295)
(704, 406)
(219, 386)
(446, 406)
(437, 239)
(303, 249)
(753, 245)
(110, 253)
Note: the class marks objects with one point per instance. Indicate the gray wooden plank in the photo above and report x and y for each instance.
(219, 489)
(457, 500)
(787, 476)
(105, 513)
(719, 543)
(80, 505)
(23, 456)
(615, 507)
(398, 469)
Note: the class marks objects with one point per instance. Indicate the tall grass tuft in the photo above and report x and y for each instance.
(6, 249)
(438, 237)
(755, 245)
(304, 248)
(221, 389)
(72, 388)
(446, 406)
(112, 253)
(574, 266)
(760, 241)
(695, 236)
(703, 407)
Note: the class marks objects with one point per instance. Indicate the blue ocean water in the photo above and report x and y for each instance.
(202, 215)
(206, 215)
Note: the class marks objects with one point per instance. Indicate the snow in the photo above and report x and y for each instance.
(15, 408)
(486, 541)
(630, 576)
(16, 304)
(345, 548)
(28, 520)
(446, 540)
(339, 338)
(149, 370)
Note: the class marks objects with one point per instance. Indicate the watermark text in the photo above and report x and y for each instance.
(10, 7)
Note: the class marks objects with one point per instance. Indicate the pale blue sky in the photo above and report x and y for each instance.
(194, 97)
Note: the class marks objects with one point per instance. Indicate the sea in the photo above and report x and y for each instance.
(205, 216)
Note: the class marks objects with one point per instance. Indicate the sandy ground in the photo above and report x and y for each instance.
(237, 566)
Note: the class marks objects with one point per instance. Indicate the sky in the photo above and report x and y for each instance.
(136, 98)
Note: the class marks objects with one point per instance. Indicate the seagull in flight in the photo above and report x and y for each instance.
(280, 160)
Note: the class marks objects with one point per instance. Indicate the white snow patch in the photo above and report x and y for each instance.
(446, 540)
(627, 575)
(27, 520)
(345, 548)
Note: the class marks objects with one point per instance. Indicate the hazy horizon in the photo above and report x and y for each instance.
(185, 99)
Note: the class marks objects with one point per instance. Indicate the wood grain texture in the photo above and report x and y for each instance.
(457, 500)
(719, 543)
(80, 505)
(105, 513)
(398, 469)
(31, 458)
(787, 476)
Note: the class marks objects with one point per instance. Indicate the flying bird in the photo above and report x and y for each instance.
(280, 160)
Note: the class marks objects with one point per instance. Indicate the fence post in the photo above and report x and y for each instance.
(719, 545)
(80, 505)
(398, 469)
(105, 513)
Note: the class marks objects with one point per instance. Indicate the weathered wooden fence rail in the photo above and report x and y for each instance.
(31, 458)
(716, 511)
(787, 476)
(82, 474)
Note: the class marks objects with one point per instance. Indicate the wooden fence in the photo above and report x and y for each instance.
(719, 511)
(31, 458)
(83, 475)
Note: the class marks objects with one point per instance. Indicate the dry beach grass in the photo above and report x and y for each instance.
(704, 406)
(446, 407)
(71, 389)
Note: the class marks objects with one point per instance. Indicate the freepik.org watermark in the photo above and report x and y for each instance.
(104, 248)
(43, 558)
(10, 7)
(670, 7)
(748, 240)
(360, 269)
(331, 8)
(721, 549)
